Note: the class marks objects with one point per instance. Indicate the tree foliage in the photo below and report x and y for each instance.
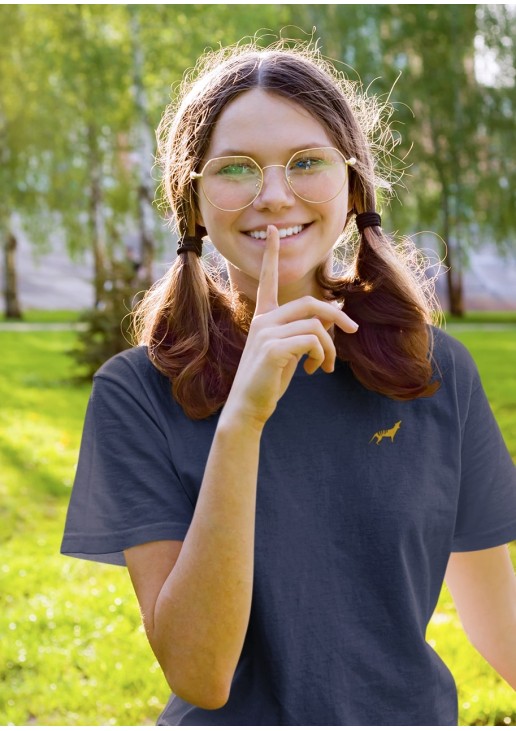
(83, 87)
(107, 329)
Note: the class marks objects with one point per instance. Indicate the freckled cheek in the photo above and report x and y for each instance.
(217, 223)
(223, 232)
(207, 215)
(336, 218)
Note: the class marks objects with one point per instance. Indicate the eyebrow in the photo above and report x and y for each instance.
(230, 152)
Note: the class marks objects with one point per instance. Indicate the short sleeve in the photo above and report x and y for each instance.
(486, 515)
(126, 489)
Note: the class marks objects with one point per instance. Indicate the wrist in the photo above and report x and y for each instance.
(235, 420)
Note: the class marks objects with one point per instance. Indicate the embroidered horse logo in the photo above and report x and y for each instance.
(386, 433)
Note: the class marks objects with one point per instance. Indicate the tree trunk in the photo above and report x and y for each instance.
(12, 304)
(97, 226)
(146, 237)
(452, 260)
(456, 292)
(145, 155)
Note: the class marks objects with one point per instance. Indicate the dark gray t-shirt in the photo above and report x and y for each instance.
(360, 501)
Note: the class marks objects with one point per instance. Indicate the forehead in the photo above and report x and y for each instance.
(260, 123)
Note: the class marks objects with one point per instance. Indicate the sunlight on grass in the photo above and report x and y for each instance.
(484, 699)
(73, 650)
(76, 652)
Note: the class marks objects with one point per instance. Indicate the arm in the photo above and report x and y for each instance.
(196, 598)
(196, 615)
(483, 587)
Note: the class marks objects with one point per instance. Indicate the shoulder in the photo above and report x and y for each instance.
(132, 374)
(456, 371)
(452, 360)
(132, 364)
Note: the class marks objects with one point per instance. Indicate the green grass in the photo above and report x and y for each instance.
(495, 355)
(73, 651)
(44, 316)
(484, 317)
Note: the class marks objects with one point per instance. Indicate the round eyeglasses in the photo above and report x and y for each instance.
(232, 183)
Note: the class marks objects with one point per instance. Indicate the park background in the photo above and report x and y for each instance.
(81, 90)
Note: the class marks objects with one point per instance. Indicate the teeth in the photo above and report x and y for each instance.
(283, 232)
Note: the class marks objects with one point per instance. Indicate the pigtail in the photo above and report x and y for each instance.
(382, 292)
(186, 320)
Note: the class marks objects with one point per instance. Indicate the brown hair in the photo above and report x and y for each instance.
(196, 328)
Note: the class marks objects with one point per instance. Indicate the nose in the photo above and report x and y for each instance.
(275, 193)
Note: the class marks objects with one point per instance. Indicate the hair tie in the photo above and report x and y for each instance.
(190, 243)
(369, 218)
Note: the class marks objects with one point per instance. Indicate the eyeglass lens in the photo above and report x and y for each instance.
(315, 175)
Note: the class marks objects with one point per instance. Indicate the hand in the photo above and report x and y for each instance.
(277, 339)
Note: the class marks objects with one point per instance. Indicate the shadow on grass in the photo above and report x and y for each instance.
(39, 484)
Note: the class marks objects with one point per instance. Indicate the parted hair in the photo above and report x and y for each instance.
(195, 327)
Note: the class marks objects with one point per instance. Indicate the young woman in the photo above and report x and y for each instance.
(291, 464)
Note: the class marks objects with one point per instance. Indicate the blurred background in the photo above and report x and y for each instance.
(82, 89)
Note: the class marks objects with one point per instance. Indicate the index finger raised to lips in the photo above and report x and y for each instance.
(267, 295)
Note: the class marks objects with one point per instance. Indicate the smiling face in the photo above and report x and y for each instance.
(270, 128)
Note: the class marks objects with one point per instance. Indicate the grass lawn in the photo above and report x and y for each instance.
(73, 651)
(483, 317)
(44, 316)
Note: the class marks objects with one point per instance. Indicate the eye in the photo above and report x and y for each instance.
(307, 164)
(236, 169)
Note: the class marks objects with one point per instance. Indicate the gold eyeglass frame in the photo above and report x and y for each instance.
(198, 176)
